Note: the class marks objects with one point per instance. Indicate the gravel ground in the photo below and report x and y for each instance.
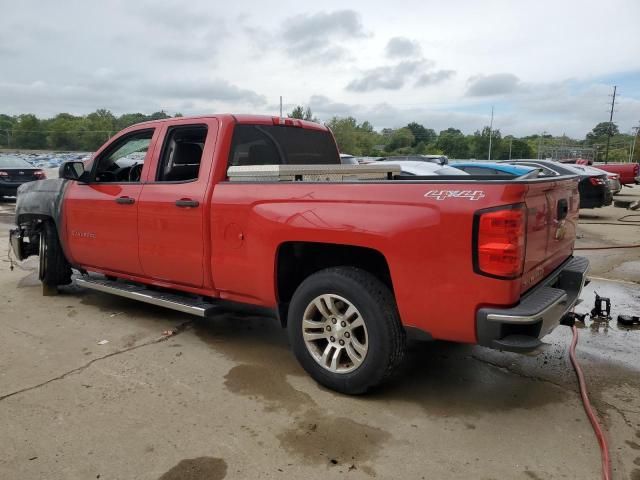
(224, 398)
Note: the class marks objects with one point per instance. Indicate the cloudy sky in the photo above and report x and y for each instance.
(544, 65)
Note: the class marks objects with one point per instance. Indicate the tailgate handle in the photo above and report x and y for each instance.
(563, 208)
(125, 200)
(187, 202)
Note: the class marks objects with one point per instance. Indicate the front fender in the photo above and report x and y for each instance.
(41, 198)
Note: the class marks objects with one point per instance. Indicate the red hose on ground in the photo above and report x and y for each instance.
(608, 248)
(602, 441)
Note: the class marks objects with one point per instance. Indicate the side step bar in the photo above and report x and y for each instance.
(181, 303)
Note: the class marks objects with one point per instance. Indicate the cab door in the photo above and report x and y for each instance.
(172, 208)
(101, 215)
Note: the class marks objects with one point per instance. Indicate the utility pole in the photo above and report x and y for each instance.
(280, 106)
(633, 146)
(609, 133)
(490, 131)
(510, 143)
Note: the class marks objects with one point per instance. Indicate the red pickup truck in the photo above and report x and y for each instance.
(190, 213)
(629, 172)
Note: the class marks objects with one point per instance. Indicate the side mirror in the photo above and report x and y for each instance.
(71, 170)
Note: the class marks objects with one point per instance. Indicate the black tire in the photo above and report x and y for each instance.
(54, 269)
(375, 304)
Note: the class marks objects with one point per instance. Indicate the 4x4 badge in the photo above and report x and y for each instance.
(444, 194)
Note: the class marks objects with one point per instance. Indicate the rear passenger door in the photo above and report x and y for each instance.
(172, 208)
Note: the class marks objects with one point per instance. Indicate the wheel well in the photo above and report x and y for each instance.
(297, 260)
(33, 219)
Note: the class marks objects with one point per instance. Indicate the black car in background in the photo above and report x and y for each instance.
(593, 187)
(14, 172)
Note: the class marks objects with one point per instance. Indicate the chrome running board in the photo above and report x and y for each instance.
(182, 303)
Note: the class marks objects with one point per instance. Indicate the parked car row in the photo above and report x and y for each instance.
(593, 187)
(596, 186)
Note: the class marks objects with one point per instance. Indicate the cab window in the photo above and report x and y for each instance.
(123, 161)
(276, 145)
(182, 154)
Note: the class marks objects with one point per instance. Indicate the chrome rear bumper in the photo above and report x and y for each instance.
(540, 310)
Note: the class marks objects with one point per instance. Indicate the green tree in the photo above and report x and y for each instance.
(421, 134)
(354, 138)
(64, 132)
(161, 115)
(403, 137)
(28, 132)
(480, 143)
(345, 133)
(421, 148)
(601, 130)
(519, 149)
(6, 127)
(129, 119)
(453, 143)
(302, 113)
(100, 126)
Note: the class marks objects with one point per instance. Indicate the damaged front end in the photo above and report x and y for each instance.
(37, 201)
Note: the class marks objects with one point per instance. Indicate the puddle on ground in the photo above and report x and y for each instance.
(334, 441)
(443, 378)
(446, 380)
(268, 385)
(611, 342)
(201, 468)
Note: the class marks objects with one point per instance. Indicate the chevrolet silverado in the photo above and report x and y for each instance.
(191, 213)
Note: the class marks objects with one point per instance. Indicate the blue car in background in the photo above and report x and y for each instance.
(492, 168)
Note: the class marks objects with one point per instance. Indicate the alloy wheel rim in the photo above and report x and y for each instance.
(335, 333)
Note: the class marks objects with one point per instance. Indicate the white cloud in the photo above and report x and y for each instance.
(79, 56)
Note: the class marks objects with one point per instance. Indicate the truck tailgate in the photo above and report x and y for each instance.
(552, 217)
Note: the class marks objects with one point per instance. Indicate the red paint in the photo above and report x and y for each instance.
(629, 172)
(227, 246)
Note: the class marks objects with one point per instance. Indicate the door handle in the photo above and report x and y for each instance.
(562, 209)
(187, 202)
(125, 200)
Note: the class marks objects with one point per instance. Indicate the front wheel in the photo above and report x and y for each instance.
(345, 330)
(53, 268)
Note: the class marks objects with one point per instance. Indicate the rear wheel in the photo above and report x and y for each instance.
(53, 269)
(345, 330)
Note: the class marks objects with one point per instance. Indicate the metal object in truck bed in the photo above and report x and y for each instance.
(311, 173)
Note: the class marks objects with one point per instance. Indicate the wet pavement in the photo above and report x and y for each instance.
(224, 397)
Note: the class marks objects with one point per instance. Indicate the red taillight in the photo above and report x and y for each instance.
(499, 241)
(39, 174)
(596, 181)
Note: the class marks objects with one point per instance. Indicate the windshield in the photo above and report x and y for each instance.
(14, 162)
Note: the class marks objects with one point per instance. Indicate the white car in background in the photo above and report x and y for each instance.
(426, 169)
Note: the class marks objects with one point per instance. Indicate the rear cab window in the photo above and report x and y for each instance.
(281, 145)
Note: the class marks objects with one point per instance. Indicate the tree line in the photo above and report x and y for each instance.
(66, 132)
